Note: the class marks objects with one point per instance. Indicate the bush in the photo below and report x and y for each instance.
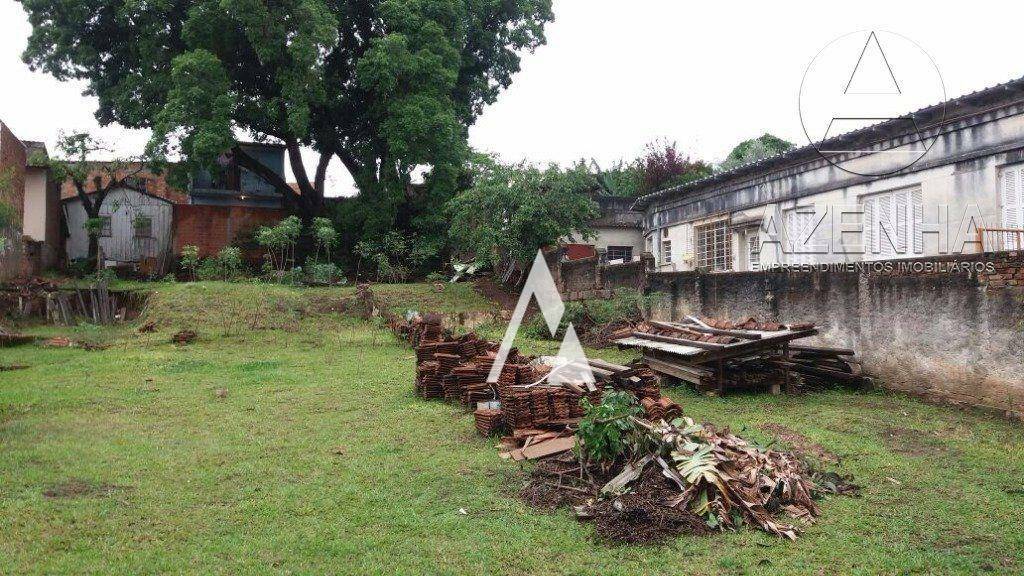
(226, 265)
(606, 430)
(625, 305)
(324, 273)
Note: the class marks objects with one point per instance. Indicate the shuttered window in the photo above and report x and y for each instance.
(1011, 200)
(800, 232)
(892, 224)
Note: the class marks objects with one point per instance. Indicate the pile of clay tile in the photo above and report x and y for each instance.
(538, 417)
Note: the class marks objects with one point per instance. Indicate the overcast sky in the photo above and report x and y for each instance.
(616, 75)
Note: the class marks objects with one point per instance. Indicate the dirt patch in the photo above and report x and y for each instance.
(491, 289)
(76, 488)
(641, 517)
(184, 337)
(913, 442)
(12, 367)
(799, 442)
(638, 517)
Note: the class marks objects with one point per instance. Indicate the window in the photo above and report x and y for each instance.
(649, 244)
(714, 250)
(1011, 202)
(800, 232)
(105, 227)
(624, 253)
(666, 247)
(892, 224)
(143, 227)
(754, 249)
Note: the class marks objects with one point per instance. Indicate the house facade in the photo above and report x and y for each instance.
(30, 202)
(147, 222)
(619, 237)
(962, 195)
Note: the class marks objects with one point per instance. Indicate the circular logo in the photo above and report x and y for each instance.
(858, 99)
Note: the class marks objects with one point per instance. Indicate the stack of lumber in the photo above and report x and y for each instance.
(716, 355)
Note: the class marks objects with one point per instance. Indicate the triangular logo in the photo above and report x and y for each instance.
(872, 74)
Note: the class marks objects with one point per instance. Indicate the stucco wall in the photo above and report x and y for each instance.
(959, 172)
(954, 336)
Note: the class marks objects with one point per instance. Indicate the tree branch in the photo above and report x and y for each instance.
(321, 171)
(273, 178)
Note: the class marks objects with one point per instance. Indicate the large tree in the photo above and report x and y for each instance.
(755, 149)
(510, 211)
(385, 86)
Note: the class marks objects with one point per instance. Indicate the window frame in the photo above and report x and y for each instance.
(718, 236)
(148, 228)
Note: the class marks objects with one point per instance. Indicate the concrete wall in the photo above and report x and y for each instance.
(950, 334)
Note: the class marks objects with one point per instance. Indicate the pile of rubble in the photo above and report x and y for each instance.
(534, 415)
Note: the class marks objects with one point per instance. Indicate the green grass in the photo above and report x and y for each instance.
(319, 460)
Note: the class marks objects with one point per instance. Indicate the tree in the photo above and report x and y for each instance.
(764, 146)
(664, 165)
(386, 87)
(93, 181)
(511, 211)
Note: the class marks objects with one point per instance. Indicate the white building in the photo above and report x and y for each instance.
(964, 194)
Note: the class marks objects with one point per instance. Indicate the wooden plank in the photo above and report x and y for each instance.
(549, 447)
(716, 331)
(672, 370)
(598, 363)
(822, 350)
(679, 341)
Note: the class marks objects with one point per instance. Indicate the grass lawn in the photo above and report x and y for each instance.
(320, 460)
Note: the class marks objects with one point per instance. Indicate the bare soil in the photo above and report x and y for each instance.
(800, 443)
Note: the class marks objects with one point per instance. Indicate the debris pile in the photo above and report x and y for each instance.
(717, 355)
(681, 478)
(692, 479)
(522, 401)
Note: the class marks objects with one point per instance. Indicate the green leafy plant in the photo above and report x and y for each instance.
(190, 260)
(324, 272)
(324, 237)
(279, 242)
(607, 431)
(392, 257)
(511, 211)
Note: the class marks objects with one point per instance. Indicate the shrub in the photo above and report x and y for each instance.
(606, 430)
(324, 272)
(190, 260)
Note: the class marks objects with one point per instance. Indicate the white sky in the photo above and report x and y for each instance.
(616, 75)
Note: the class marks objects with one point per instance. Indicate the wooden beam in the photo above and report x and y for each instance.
(715, 331)
(822, 350)
(678, 341)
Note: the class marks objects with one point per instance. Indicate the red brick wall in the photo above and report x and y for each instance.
(211, 228)
(1009, 270)
(156, 184)
(12, 170)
